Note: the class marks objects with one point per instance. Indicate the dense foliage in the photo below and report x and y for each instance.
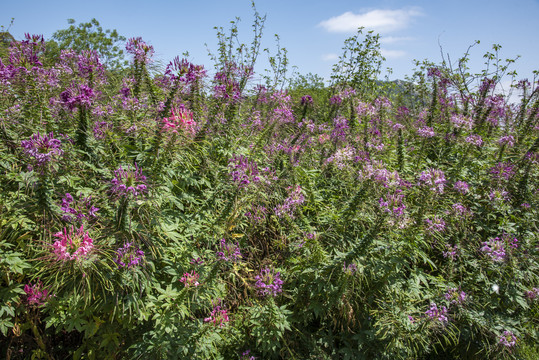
(182, 215)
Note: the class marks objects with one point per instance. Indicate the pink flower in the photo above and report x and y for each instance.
(190, 279)
(181, 120)
(72, 245)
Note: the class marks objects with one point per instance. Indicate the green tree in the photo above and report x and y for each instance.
(90, 36)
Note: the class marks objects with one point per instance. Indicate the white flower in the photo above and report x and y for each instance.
(496, 288)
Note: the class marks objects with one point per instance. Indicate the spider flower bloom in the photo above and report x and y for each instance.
(426, 132)
(268, 282)
(181, 119)
(495, 248)
(437, 314)
(190, 279)
(218, 316)
(229, 252)
(36, 294)
(142, 52)
(507, 339)
(77, 210)
(461, 187)
(72, 245)
(128, 182)
(474, 140)
(42, 149)
(455, 297)
(129, 256)
(433, 178)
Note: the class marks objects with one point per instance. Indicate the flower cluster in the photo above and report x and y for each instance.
(495, 248)
(78, 96)
(450, 252)
(129, 256)
(128, 182)
(218, 316)
(435, 225)
(294, 199)
(36, 294)
(306, 100)
(42, 149)
(437, 314)
(268, 282)
(455, 297)
(243, 171)
(507, 339)
(181, 119)
(190, 279)
(228, 252)
(393, 205)
(426, 132)
(351, 269)
(461, 187)
(474, 140)
(433, 178)
(532, 294)
(141, 51)
(73, 245)
(502, 171)
(77, 210)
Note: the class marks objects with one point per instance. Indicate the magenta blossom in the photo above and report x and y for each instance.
(218, 316)
(36, 294)
(73, 245)
(190, 279)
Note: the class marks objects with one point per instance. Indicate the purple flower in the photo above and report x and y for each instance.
(141, 51)
(451, 251)
(42, 150)
(437, 314)
(436, 225)
(78, 96)
(306, 100)
(532, 294)
(77, 210)
(426, 132)
(474, 140)
(268, 282)
(455, 296)
(507, 140)
(507, 339)
(128, 182)
(229, 252)
(393, 205)
(129, 256)
(350, 269)
(496, 248)
(294, 199)
(461, 122)
(245, 355)
(461, 187)
(433, 178)
(502, 171)
(243, 171)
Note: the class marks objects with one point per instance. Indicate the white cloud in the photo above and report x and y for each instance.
(330, 57)
(382, 21)
(392, 54)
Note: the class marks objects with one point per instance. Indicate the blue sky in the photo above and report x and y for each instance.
(313, 31)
